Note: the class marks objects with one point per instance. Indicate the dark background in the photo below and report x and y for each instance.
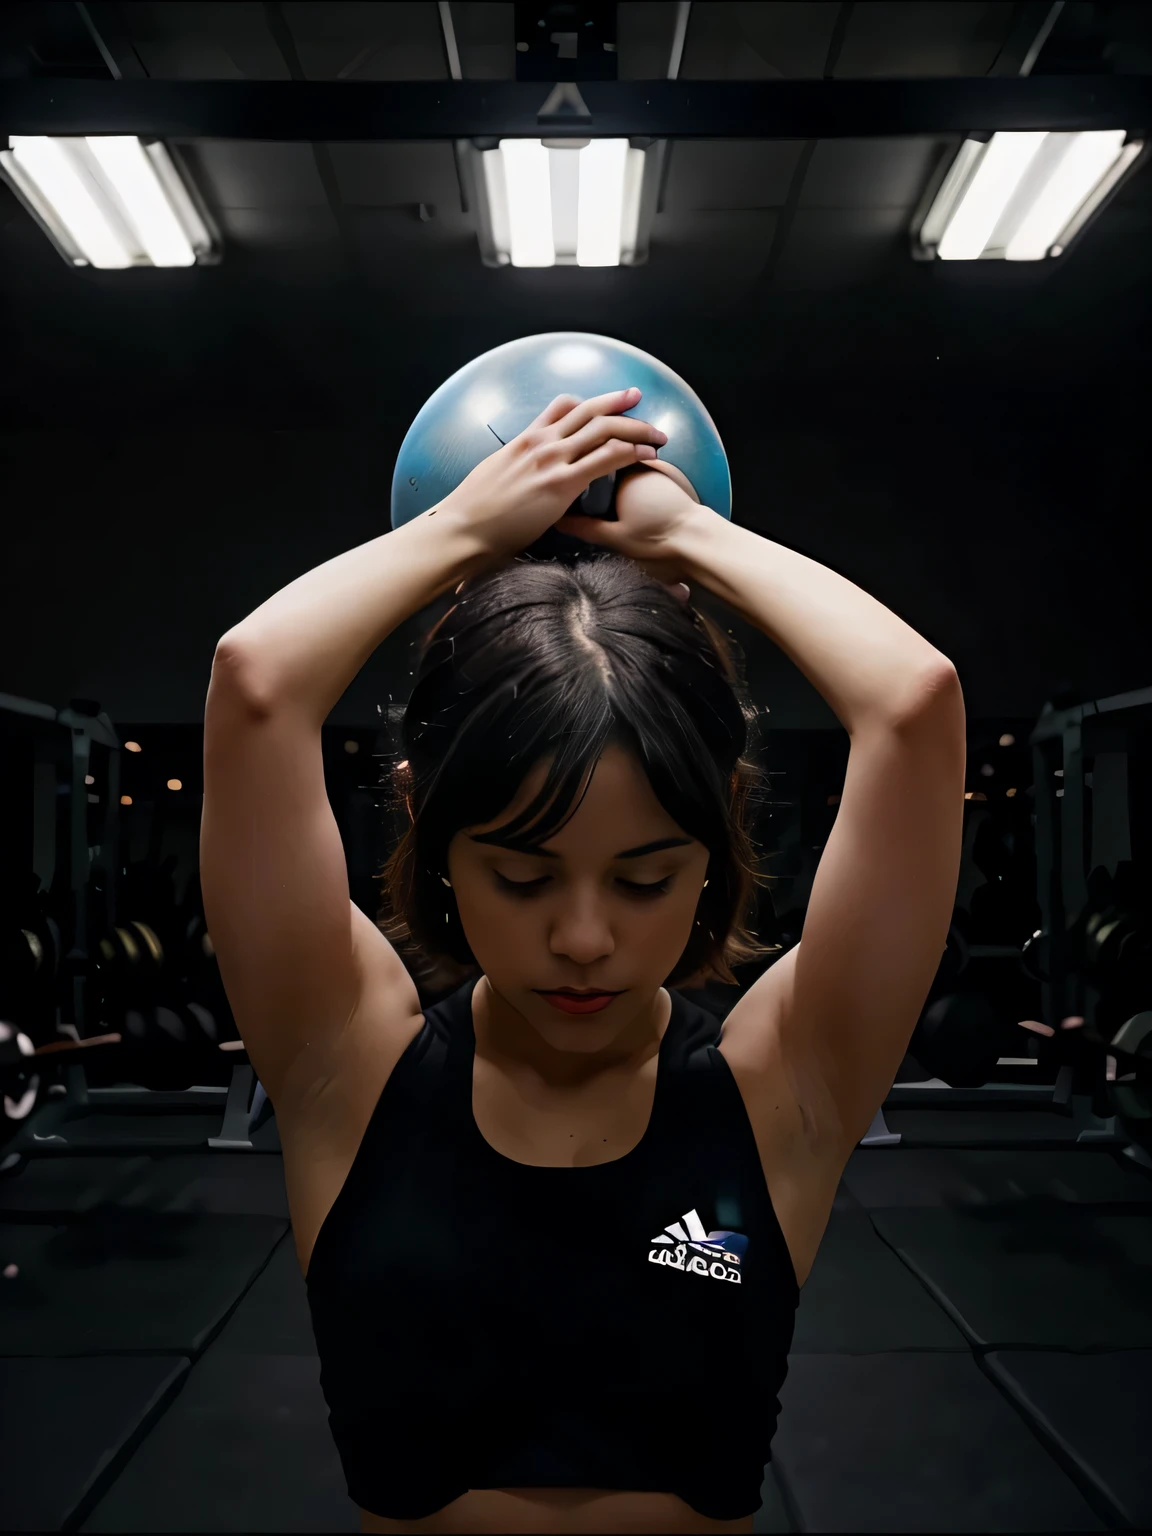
(966, 441)
(1004, 524)
(963, 440)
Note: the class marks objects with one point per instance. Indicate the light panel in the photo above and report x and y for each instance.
(63, 182)
(1085, 159)
(108, 201)
(551, 206)
(1023, 196)
(998, 173)
(130, 173)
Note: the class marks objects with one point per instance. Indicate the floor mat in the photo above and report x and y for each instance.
(245, 1447)
(124, 1279)
(915, 1443)
(1066, 1279)
(885, 1177)
(860, 1298)
(69, 1428)
(1093, 1410)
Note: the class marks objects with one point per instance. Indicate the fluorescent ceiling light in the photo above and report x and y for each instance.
(600, 211)
(576, 206)
(108, 201)
(528, 191)
(1023, 196)
(997, 175)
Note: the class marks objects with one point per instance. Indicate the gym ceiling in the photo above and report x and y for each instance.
(963, 439)
(346, 263)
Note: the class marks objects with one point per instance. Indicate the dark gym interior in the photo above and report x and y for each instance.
(961, 438)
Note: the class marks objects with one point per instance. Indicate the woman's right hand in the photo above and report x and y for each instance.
(516, 494)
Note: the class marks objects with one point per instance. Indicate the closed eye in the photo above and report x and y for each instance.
(526, 887)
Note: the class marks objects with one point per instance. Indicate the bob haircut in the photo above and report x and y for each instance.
(549, 660)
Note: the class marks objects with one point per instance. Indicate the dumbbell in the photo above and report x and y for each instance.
(201, 972)
(1130, 1095)
(129, 967)
(30, 950)
(961, 1029)
(18, 1077)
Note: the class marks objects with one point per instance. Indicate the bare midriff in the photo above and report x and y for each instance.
(557, 1512)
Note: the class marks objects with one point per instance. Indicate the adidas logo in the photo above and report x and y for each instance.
(715, 1254)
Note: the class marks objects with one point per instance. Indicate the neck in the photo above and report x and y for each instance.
(508, 1040)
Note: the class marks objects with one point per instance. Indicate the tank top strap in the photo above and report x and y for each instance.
(688, 1078)
(455, 1015)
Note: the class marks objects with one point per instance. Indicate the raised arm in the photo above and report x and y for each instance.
(297, 957)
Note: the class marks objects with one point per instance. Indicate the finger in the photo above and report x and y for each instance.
(584, 411)
(590, 529)
(611, 458)
(1072, 1022)
(1036, 1027)
(606, 429)
(554, 411)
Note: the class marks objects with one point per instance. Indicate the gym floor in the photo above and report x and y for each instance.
(973, 1349)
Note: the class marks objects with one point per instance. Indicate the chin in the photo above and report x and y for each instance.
(576, 1035)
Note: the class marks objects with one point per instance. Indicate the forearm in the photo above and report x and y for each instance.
(309, 641)
(864, 661)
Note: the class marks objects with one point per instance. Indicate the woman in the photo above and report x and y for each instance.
(553, 1249)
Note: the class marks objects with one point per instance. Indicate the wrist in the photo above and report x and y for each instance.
(696, 539)
(461, 549)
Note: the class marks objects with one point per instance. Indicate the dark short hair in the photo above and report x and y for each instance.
(507, 678)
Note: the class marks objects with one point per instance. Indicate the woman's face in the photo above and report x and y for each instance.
(581, 918)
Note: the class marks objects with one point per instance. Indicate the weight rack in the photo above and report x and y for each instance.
(1067, 848)
(61, 850)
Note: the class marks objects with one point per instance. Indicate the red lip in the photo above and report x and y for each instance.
(571, 992)
(566, 991)
(579, 1003)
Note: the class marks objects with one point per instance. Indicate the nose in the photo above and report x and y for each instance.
(582, 933)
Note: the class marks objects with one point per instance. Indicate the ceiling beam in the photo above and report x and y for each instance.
(106, 26)
(343, 111)
(1029, 28)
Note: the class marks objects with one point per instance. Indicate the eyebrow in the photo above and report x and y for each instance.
(629, 853)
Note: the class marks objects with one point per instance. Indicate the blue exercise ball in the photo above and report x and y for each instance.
(499, 394)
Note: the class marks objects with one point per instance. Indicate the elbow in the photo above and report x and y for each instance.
(238, 675)
(943, 684)
(918, 696)
(937, 696)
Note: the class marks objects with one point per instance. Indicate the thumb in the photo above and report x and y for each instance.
(593, 530)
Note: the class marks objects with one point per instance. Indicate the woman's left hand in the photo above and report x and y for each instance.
(655, 502)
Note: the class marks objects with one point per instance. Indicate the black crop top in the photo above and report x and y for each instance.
(482, 1323)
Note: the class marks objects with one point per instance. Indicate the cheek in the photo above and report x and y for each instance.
(488, 920)
(662, 927)
(682, 913)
